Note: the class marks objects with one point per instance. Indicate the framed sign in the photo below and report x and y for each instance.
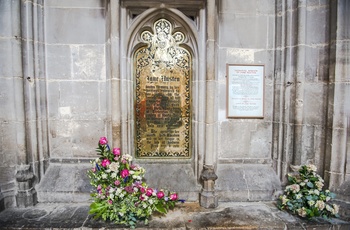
(245, 91)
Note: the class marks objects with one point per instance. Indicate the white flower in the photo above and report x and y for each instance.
(119, 190)
(104, 176)
(114, 166)
(150, 201)
(111, 190)
(121, 214)
(319, 185)
(328, 198)
(329, 208)
(335, 209)
(311, 202)
(311, 168)
(320, 204)
(114, 175)
(111, 196)
(316, 192)
(131, 172)
(298, 196)
(284, 199)
(301, 212)
(294, 188)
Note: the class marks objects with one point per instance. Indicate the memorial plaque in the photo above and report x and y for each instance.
(163, 72)
(245, 90)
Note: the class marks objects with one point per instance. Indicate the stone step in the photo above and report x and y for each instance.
(65, 183)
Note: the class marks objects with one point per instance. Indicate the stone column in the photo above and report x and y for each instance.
(113, 71)
(26, 194)
(208, 198)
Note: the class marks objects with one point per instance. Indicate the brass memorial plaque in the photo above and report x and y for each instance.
(163, 100)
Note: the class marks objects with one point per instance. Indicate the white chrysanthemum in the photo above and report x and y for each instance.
(114, 166)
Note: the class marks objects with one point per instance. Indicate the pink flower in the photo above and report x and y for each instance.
(143, 190)
(173, 196)
(142, 197)
(93, 170)
(110, 201)
(105, 162)
(99, 187)
(117, 182)
(149, 192)
(160, 194)
(103, 141)
(116, 151)
(124, 173)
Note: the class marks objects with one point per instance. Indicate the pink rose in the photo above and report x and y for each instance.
(173, 196)
(117, 182)
(143, 190)
(124, 173)
(103, 141)
(142, 197)
(105, 162)
(116, 151)
(160, 194)
(149, 192)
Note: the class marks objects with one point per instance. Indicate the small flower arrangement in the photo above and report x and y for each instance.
(304, 196)
(120, 194)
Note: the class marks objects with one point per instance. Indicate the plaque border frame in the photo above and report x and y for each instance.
(230, 114)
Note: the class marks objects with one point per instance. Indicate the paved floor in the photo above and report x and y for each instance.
(247, 215)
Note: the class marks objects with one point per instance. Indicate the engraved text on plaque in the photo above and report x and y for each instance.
(162, 110)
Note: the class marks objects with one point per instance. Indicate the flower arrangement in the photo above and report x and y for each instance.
(304, 196)
(120, 194)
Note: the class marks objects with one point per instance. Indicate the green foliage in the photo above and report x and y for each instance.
(120, 194)
(305, 197)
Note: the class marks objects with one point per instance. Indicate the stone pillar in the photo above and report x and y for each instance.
(26, 194)
(208, 198)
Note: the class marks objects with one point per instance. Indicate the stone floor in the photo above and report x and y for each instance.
(246, 215)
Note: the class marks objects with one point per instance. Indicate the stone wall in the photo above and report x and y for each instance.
(66, 80)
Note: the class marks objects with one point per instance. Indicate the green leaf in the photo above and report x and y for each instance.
(310, 184)
(159, 207)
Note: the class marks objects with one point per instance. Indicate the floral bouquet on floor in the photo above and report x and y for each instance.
(121, 195)
(304, 196)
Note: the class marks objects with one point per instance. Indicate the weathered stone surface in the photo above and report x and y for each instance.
(252, 215)
(247, 182)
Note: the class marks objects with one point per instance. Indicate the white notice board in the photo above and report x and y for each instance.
(245, 91)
